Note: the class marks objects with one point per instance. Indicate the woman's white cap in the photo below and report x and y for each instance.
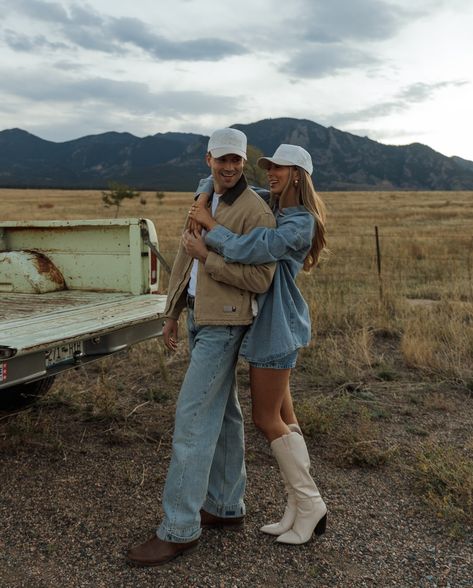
(225, 141)
(289, 155)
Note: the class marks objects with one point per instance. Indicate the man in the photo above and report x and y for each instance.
(206, 477)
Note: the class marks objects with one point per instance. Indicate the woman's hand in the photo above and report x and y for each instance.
(195, 246)
(200, 214)
(202, 201)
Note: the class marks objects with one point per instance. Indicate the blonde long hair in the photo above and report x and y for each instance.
(307, 197)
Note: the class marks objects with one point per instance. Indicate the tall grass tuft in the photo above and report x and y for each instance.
(347, 428)
(439, 340)
(444, 478)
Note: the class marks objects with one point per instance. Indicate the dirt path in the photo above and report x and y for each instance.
(77, 488)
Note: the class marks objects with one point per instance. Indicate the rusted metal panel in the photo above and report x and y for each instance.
(45, 266)
(29, 272)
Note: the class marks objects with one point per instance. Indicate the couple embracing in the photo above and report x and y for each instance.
(235, 274)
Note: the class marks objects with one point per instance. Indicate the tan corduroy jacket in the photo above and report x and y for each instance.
(224, 291)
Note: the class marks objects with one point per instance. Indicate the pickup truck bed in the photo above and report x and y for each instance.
(74, 291)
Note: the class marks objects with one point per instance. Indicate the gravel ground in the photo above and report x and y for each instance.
(76, 491)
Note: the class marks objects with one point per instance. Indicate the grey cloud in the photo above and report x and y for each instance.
(85, 16)
(335, 32)
(46, 11)
(132, 97)
(419, 92)
(356, 20)
(86, 28)
(94, 40)
(415, 93)
(66, 65)
(328, 37)
(318, 60)
(374, 111)
(134, 31)
(21, 42)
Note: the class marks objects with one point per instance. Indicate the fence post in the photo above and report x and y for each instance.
(378, 262)
(468, 265)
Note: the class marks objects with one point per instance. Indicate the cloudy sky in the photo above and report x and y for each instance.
(398, 71)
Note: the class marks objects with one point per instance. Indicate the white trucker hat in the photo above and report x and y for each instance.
(289, 155)
(225, 141)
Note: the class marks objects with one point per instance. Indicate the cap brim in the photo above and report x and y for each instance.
(221, 151)
(265, 162)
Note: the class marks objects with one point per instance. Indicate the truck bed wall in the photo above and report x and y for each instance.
(100, 255)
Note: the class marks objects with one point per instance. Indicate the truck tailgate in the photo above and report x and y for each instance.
(41, 321)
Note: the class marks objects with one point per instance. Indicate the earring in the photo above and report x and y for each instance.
(296, 183)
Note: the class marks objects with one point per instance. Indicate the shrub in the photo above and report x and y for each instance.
(444, 478)
(347, 428)
(116, 195)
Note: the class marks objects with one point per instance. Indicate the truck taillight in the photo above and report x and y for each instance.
(7, 352)
(153, 268)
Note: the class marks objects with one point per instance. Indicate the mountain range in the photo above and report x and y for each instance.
(175, 161)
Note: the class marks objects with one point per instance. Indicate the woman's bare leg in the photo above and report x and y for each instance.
(269, 390)
(287, 409)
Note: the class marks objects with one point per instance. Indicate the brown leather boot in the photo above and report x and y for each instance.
(210, 521)
(156, 552)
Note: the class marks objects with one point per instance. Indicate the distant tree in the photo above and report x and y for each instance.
(254, 174)
(160, 196)
(116, 194)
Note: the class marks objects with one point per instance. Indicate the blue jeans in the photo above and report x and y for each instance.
(207, 468)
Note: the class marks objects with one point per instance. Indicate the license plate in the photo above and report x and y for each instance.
(3, 371)
(64, 353)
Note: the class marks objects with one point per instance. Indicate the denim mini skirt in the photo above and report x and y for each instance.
(281, 363)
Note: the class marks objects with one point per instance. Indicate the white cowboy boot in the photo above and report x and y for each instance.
(289, 515)
(311, 512)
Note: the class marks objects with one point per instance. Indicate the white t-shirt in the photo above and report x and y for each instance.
(191, 287)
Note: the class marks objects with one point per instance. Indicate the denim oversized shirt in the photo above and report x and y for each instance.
(282, 324)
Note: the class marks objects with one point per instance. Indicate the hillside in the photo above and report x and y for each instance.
(174, 161)
(347, 162)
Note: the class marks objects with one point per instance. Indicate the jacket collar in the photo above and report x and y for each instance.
(232, 194)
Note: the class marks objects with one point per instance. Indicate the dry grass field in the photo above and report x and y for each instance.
(384, 394)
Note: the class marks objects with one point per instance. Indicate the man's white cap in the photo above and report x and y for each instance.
(289, 155)
(225, 141)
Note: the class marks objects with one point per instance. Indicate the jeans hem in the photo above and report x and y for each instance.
(177, 535)
(225, 510)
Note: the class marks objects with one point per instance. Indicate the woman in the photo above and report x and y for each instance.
(282, 324)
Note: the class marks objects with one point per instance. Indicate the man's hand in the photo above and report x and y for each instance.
(195, 246)
(170, 334)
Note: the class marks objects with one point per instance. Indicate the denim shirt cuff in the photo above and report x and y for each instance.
(216, 238)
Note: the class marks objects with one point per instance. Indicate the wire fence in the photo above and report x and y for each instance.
(387, 256)
(384, 246)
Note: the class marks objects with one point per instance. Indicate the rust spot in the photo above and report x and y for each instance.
(45, 266)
